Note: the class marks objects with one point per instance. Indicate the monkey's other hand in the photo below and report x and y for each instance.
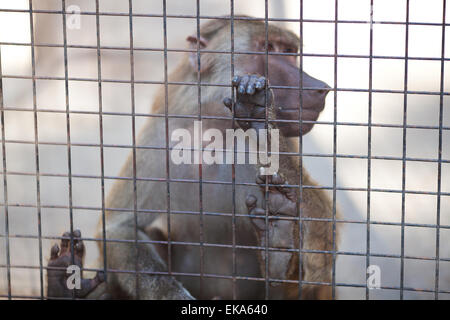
(281, 203)
(282, 233)
(282, 198)
(60, 260)
(251, 94)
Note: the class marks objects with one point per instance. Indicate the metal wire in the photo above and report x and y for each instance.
(200, 160)
(36, 151)
(335, 84)
(300, 150)
(133, 137)
(224, 17)
(439, 173)
(266, 125)
(5, 186)
(100, 125)
(203, 183)
(233, 166)
(69, 147)
(166, 115)
(405, 110)
(369, 148)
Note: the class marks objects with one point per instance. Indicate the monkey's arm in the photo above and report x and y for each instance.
(125, 255)
(282, 230)
(121, 256)
(280, 233)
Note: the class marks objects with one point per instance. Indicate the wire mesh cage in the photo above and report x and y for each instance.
(77, 82)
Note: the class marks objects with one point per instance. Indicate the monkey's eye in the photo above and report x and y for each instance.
(290, 50)
(270, 47)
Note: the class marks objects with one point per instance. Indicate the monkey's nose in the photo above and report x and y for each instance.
(322, 93)
(319, 89)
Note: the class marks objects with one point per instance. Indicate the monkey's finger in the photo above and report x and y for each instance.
(277, 179)
(276, 183)
(101, 277)
(77, 233)
(250, 202)
(65, 242)
(270, 179)
(228, 102)
(243, 84)
(79, 247)
(251, 85)
(78, 244)
(253, 210)
(260, 83)
(260, 98)
(289, 192)
(235, 81)
(261, 179)
(76, 236)
(54, 252)
(259, 212)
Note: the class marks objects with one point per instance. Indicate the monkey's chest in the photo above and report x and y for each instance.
(214, 255)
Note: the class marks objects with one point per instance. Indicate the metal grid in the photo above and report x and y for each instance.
(201, 213)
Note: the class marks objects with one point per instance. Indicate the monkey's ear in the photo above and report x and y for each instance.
(194, 43)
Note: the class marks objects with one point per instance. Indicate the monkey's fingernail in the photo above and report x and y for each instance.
(261, 83)
(235, 80)
(241, 89)
(251, 90)
(276, 178)
(228, 102)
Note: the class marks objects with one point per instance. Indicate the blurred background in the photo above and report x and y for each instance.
(425, 41)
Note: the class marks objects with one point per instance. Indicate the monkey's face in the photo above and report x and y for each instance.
(284, 72)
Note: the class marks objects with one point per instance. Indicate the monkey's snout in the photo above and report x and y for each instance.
(322, 93)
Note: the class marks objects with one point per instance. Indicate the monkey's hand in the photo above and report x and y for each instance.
(281, 229)
(281, 202)
(250, 105)
(60, 260)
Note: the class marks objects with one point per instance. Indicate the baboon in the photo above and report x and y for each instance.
(193, 212)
